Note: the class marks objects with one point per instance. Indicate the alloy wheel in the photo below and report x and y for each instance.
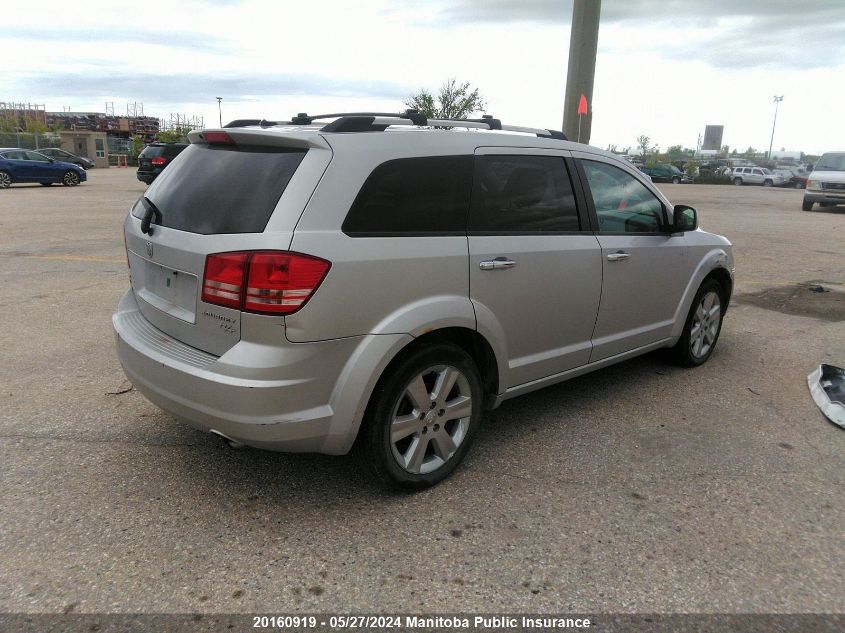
(705, 324)
(431, 419)
(5, 180)
(70, 179)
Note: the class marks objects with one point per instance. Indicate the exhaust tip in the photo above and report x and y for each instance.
(233, 444)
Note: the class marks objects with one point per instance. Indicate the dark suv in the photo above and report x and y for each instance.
(155, 157)
(662, 172)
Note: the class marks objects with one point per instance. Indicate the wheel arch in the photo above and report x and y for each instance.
(350, 411)
(714, 265)
(723, 277)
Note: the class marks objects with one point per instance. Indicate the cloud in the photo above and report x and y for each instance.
(727, 33)
(120, 35)
(198, 88)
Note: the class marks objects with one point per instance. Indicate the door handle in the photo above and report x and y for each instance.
(621, 256)
(497, 264)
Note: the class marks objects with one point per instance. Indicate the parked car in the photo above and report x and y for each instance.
(666, 173)
(155, 157)
(22, 165)
(797, 179)
(757, 176)
(826, 183)
(57, 153)
(372, 281)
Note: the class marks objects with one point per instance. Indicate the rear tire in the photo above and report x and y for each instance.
(702, 327)
(767, 183)
(738, 182)
(807, 205)
(5, 180)
(408, 439)
(799, 185)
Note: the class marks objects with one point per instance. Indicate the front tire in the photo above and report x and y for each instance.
(422, 417)
(767, 183)
(70, 178)
(676, 180)
(703, 325)
(799, 185)
(807, 205)
(738, 182)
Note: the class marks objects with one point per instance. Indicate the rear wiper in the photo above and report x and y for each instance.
(151, 210)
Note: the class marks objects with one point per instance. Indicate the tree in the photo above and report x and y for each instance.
(8, 123)
(34, 126)
(645, 146)
(675, 152)
(176, 135)
(137, 146)
(454, 101)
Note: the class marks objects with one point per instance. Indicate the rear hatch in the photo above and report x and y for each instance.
(244, 195)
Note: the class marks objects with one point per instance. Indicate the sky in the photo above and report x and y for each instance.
(665, 68)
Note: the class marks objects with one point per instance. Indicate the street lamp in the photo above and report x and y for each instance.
(778, 99)
(220, 112)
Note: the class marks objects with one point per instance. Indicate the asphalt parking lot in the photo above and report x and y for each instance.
(642, 487)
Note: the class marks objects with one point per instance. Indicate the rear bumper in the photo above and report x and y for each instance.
(286, 397)
(148, 176)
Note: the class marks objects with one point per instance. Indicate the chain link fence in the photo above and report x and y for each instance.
(29, 140)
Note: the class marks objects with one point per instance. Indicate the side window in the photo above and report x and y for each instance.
(35, 156)
(410, 196)
(522, 194)
(623, 204)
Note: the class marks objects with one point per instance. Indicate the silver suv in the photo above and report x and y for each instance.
(374, 282)
(757, 176)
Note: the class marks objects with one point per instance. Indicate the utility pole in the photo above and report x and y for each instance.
(219, 110)
(583, 43)
(778, 99)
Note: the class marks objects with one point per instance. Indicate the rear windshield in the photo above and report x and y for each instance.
(151, 151)
(212, 189)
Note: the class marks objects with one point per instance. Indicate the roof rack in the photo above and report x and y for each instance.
(379, 121)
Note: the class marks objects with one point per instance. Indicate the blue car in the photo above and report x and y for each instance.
(24, 165)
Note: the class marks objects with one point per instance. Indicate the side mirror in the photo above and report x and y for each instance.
(684, 218)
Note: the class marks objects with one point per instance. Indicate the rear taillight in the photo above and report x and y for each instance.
(158, 160)
(266, 282)
(223, 281)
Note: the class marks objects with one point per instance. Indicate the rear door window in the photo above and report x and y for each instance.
(211, 189)
(413, 196)
(522, 194)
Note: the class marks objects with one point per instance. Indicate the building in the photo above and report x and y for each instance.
(93, 145)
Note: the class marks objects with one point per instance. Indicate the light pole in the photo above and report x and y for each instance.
(219, 110)
(778, 99)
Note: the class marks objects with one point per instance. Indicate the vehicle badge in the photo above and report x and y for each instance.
(149, 249)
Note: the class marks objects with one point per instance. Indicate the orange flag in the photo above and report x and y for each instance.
(582, 106)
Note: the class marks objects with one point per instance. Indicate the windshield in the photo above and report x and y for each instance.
(831, 162)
